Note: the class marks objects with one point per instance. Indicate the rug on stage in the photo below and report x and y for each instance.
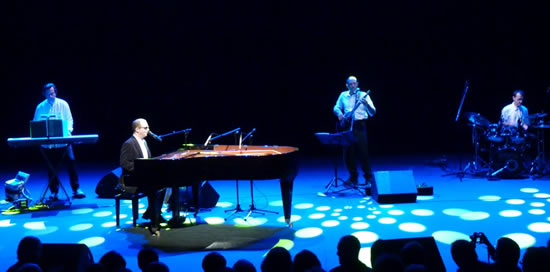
(211, 237)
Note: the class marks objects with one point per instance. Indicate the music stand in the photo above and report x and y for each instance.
(339, 139)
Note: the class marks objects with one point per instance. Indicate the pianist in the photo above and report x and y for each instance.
(55, 154)
(134, 148)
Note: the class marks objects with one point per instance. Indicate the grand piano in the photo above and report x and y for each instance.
(189, 167)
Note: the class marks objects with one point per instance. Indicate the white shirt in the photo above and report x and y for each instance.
(59, 108)
(142, 146)
(511, 114)
(346, 102)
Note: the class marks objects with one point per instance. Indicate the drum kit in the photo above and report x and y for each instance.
(507, 152)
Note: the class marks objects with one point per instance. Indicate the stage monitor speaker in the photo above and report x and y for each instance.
(208, 197)
(106, 186)
(394, 187)
(432, 257)
(66, 257)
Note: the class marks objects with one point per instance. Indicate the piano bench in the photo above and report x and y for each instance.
(129, 195)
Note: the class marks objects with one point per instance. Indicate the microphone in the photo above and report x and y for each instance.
(154, 136)
(208, 139)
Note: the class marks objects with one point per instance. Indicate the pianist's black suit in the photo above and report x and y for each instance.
(128, 153)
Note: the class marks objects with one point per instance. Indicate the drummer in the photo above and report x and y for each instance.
(515, 114)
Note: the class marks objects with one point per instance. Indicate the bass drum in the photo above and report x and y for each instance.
(510, 161)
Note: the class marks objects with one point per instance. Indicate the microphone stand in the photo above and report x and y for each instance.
(210, 138)
(186, 131)
(238, 140)
(460, 173)
(246, 137)
(253, 208)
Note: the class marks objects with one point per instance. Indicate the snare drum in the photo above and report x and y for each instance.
(512, 135)
(507, 131)
(493, 134)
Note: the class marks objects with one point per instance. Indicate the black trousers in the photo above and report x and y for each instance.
(54, 157)
(359, 150)
(154, 208)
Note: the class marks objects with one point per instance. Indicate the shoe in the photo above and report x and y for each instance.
(351, 182)
(155, 232)
(53, 197)
(78, 194)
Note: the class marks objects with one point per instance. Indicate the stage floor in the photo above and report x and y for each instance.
(517, 208)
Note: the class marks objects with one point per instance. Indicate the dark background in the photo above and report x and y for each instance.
(277, 66)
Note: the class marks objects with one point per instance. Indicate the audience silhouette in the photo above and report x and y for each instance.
(243, 265)
(506, 256)
(113, 262)
(156, 266)
(378, 248)
(214, 262)
(416, 268)
(388, 262)
(306, 260)
(465, 257)
(96, 267)
(410, 258)
(28, 251)
(145, 257)
(348, 255)
(413, 253)
(277, 260)
(29, 267)
(536, 259)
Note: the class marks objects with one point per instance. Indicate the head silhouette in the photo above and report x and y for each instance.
(29, 250)
(277, 260)
(305, 260)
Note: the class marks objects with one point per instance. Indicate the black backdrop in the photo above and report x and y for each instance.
(277, 66)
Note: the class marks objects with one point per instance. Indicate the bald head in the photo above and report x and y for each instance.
(138, 123)
(140, 128)
(352, 83)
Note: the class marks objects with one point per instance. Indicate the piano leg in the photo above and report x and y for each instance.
(177, 220)
(286, 193)
(196, 197)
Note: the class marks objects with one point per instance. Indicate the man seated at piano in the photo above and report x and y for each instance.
(56, 108)
(134, 148)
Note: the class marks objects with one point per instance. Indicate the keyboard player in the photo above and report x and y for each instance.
(134, 148)
(55, 154)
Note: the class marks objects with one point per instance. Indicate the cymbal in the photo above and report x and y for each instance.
(537, 115)
(477, 119)
(541, 126)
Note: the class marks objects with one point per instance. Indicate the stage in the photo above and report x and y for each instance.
(516, 208)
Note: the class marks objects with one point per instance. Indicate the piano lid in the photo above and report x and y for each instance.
(228, 150)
